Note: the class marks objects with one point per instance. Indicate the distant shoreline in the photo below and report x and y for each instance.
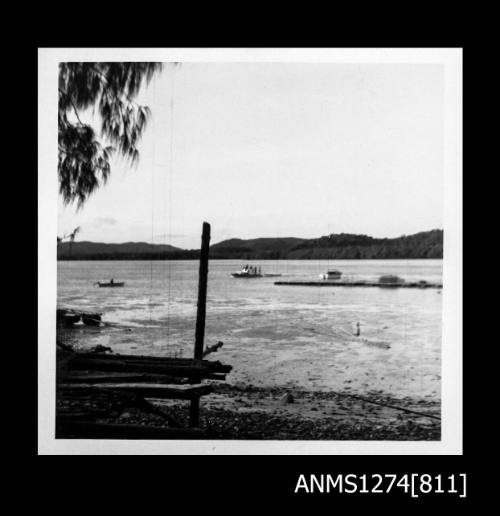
(343, 246)
(156, 259)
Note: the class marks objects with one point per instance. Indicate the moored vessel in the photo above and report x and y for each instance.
(249, 271)
(333, 274)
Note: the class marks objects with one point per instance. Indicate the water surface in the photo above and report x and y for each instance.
(273, 335)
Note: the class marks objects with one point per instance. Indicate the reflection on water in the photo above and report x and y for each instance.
(280, 335)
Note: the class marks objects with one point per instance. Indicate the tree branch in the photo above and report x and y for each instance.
(103, 77)
(211, 349)
(76, 112)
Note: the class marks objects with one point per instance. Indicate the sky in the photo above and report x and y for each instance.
(277, 150)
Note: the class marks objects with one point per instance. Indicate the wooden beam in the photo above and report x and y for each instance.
(202, 292)
(211, 365)
(194, 412)
(194, 409)
(145, 390)
(169, 369)
(97, 377)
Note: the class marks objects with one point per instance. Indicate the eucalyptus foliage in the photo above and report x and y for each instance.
(109, 89)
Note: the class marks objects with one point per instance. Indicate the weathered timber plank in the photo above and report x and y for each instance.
(122, 366)
(96, 377)
(213, 366)
(157, 391)
(202, 291)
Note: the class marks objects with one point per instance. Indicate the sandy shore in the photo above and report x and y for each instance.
(247, 412)
(296, 358)
(298, 395)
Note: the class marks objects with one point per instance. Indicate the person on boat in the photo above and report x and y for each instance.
(112, 281)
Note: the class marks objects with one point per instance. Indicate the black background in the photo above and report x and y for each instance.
(226, 484)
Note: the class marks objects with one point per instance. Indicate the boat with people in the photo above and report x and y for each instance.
(250, 271)
(111, 283)
(332, 274)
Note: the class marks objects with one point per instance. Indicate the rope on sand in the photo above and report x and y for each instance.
(387, 405)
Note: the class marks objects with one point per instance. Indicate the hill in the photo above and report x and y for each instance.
(427, 244)
(126, 251)
(263, 248)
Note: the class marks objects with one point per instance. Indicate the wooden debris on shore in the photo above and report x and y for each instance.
(90, 375)
(77, 408)
(95, 387)
(142, 365)
(146, 390)
(67, 317)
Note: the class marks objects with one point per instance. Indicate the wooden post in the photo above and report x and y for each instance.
(200, 315)
(202, 293)
(194, 412)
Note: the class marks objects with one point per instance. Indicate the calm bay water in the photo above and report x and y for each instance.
(273, 335)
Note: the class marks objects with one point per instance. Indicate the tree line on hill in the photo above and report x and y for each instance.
(428, 244)
(188, 254)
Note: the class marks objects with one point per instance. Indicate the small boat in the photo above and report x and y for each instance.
(248, 271)
(67, 317)
(252, 272)
(333, 274)
(112, 284)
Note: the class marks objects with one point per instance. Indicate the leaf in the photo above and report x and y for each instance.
(83, 161)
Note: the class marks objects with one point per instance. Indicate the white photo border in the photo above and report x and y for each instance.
(452, 424)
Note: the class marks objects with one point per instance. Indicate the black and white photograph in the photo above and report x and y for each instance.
(250, 251)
